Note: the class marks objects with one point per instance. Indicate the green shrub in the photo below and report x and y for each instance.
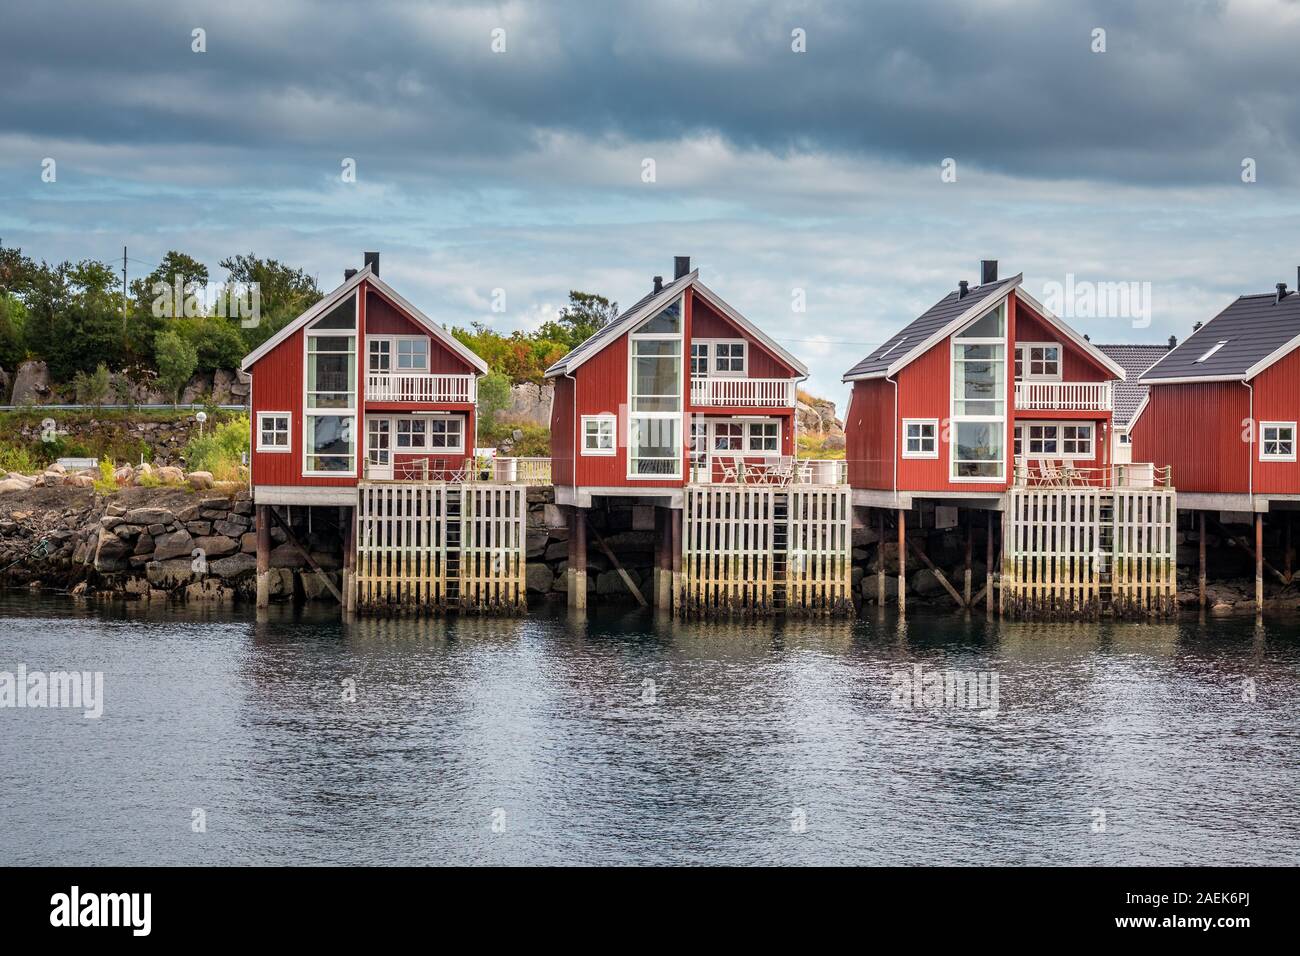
(220, 450)
(18, 458)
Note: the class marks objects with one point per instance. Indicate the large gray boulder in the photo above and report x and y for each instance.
(31, 383)
(173, 545)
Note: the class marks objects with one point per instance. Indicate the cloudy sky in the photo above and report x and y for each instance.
(775, 170)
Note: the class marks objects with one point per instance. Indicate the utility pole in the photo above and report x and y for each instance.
(124, 297)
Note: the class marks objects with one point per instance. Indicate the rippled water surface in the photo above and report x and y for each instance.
(626, 740)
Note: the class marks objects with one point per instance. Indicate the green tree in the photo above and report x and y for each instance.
(585, 315)
(13, 330)
(93, 387)
(152, 309)
(285, 293)
(177, 360)
(493, 397)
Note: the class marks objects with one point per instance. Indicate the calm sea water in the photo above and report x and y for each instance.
(626, 740)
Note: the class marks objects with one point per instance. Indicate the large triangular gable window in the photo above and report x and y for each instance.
(330, 392)
(979, 398)
(655, 395)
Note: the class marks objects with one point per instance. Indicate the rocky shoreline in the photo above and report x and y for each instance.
(197, 544)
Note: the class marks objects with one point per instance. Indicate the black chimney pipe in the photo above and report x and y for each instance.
(963, 289)
(988, 271)
(348, 274)
(1173, 342)
(372, 260)
(1281, 293)
(659, 283)
(681, 266)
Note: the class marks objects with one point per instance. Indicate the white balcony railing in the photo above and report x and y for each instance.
(749, 470)
(1065, 396)
(420, 387)
(744, 392)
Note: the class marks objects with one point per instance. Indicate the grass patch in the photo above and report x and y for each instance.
(814, 446)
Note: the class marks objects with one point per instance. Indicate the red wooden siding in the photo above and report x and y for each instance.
(278, 386)
(562, 431)
(1196, 429)
(602, 389)
(869, 435)
(874, 435)
(1277, 399)
(1201, 431)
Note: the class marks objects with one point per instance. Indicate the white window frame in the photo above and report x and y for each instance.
(600, 420)
(288, 432)
(710, 354)
(933, 423)
(1263, 441)
(754, 430)
(716, 346)
(637, 418)
(1023, 350)
(308, 412)
(705, 356)
(955, 342)
(1022, 436)
(394, 343)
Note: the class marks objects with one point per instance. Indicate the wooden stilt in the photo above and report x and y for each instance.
(880, 561)
(902, 561)
(302, 549)
(970, 529)
(347, 518)
(1259, 564)
(988, 569)
(263, 555)
(675, 557)
(577, 573)
(1200, 581)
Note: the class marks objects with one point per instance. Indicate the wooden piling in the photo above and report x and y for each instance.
(970, 530)
(347, 518)
(902, 561)
(577, 583)
(988, 569)
(263, 555)
(675, 556)
(1259, 564)
(1200, 581)
(880, 561)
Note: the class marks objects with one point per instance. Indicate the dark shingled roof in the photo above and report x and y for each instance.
(927, 324)
(1252, 329)
(1134, 360)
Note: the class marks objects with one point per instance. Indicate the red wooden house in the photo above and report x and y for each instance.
(362, 384)
(681, 387)
(1222, 408)
(985, 385)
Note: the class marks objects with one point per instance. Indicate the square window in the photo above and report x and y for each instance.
(764, 436)
(598, 434)
(410, 433)
(920, 438)
(273, 431)
(413, 354)
(729, 358)
(728, 436)
(1277, 441)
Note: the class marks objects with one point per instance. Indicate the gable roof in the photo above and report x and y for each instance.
(1255, 330)
(1134, 359)
(947, 316)
(931, 326)
(652, 303)
(341, 293)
